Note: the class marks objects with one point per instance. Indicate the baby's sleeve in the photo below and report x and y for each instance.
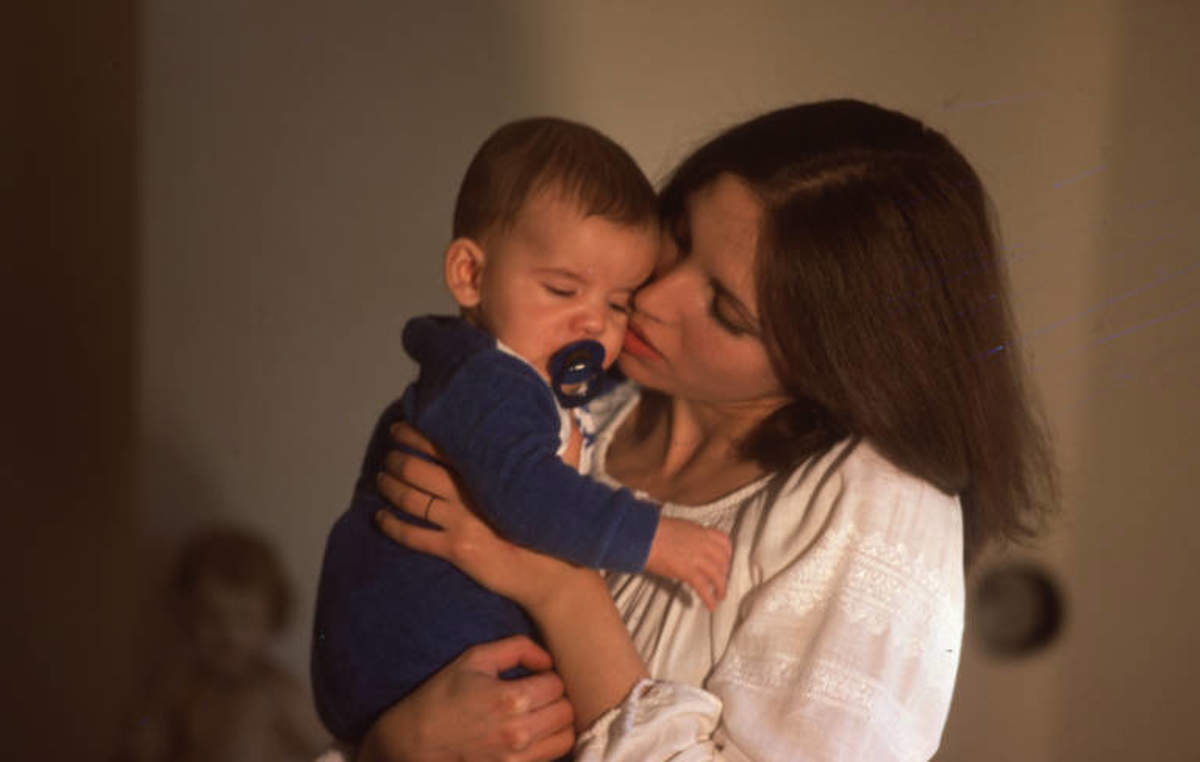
(496, 421)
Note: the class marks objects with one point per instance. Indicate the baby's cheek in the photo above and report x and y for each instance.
(612, 347)
(612, 341)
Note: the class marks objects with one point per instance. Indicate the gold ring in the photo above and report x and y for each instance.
(429, 505)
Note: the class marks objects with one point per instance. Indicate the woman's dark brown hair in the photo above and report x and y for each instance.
(884, 306)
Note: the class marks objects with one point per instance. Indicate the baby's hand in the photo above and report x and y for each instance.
(692, 554)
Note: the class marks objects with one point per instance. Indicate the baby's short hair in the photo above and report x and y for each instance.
(238, 558)
(546, 153)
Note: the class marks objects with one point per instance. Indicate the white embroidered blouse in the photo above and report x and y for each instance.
(839, 635)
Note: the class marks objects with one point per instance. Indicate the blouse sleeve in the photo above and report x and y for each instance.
(846, 647)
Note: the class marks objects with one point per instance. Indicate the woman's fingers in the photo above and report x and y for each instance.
(466, 542)
(551, 747)
(537, 691)
(425, 476)
(415, 502)
(430, 541)
(434, 478)
(506, 653)
(540, 724)
(405, 434)
(545, 733)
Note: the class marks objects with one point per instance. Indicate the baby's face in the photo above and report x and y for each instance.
(556, 277)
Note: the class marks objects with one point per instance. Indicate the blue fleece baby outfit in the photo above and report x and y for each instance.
(388, 617)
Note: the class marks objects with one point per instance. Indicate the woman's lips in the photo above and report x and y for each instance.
(637, 345)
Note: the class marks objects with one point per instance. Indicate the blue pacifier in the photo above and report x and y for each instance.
(572, 369)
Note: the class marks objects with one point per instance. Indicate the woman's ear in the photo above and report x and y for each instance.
(464, 265)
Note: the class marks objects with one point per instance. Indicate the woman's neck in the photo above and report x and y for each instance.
(684, 450)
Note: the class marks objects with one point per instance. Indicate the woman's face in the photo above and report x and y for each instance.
(694, 332)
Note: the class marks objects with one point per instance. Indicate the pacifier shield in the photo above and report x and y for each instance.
(571, 370)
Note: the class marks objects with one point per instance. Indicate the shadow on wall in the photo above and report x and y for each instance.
(213, 686)
(299, 169)
(83, 559)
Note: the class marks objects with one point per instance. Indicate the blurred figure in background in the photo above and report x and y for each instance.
(218, 694)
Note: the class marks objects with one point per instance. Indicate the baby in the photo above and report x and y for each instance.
(554, 229)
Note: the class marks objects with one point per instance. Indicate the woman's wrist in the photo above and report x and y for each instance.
(392, 737)
(583, 629)
(551, 595)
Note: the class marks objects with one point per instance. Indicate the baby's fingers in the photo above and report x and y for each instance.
(703, 581)
(713, 569)
(720, 543)
(702, 588)
(714, 580)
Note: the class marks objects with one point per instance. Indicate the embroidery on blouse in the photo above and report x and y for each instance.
(884, 593)
(828, 682)
(883, 584)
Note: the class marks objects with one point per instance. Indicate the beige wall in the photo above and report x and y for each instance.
(298, 166)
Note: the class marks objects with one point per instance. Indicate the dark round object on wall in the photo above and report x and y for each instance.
(1017, 609)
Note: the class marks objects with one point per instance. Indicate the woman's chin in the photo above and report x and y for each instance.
(634, 369)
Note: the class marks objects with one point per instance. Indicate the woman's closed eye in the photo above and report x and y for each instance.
(730, 313)
(729, 326)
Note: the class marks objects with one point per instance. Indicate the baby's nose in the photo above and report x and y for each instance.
(590, 321)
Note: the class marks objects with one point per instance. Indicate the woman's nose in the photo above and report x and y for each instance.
(652, 300)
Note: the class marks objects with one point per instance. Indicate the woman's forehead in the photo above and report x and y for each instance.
(724, 220)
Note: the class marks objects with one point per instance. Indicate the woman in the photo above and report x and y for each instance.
(823, 367)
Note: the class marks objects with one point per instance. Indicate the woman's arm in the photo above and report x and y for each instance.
(571, 605)
(845, 649)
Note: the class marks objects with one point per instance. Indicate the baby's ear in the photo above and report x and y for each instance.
(464, 271)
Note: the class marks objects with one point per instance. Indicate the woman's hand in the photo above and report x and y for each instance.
(592, 651)
(428, 491)
(466, 712)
